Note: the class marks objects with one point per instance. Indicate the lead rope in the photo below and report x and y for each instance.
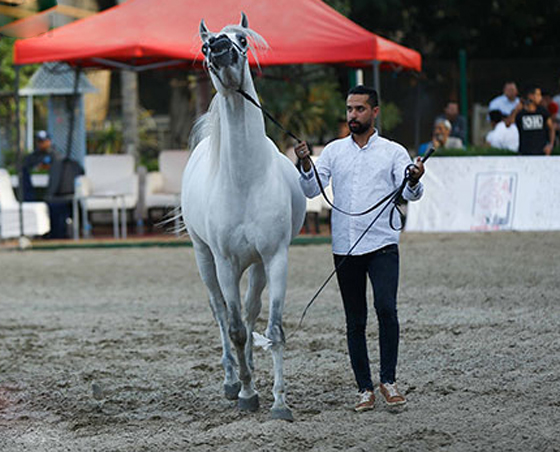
(321, 188)
(391, 198)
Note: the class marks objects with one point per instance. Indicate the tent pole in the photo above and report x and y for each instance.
(463, 90)
(19, 157)
(29, 125)
(132, 68)
(72, 112)
(377, 86)
(418, 114)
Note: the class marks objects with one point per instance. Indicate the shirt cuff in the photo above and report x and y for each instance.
(307, 175)
(414, 190)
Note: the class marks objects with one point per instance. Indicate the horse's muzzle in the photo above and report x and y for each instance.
(222, 52)
(222, 59)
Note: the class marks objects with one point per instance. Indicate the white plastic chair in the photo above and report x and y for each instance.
(110, 182)
(163, 187)
(36, 220)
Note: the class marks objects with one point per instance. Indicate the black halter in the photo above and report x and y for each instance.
(241, 52)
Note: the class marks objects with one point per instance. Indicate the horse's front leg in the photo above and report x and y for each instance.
(229, 276)
(276, 272)
(207, 270)
(253, 305)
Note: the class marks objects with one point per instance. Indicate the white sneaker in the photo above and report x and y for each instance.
(366, 402)
(391, 394)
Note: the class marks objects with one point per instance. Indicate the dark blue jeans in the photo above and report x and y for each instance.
(382, 267)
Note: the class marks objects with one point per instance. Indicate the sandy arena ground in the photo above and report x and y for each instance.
(116, 350)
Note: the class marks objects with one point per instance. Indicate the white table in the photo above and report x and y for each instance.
(118, 203)
(37, 180)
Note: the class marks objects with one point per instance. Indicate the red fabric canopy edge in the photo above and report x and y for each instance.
(146, 31)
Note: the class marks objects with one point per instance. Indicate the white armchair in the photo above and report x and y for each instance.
(163, 188)
(36, 219)
(110, 182)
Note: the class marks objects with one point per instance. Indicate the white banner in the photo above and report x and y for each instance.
(488, 194)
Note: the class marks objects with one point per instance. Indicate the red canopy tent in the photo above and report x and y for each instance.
(143, 34)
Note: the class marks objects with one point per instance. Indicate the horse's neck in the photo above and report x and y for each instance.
(244, 152)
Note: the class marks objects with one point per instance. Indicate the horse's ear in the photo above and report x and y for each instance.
(244, 21)
(203, 31)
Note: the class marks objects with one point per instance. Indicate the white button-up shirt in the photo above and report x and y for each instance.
(504, 137)
(360, 178)
(503, 104)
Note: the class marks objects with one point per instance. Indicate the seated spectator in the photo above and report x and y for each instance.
(556, 100)
(46, 158)
(43, 158)
(552, 105)
(507, 101)
(458, 122)
(502, 135)
(441, 138)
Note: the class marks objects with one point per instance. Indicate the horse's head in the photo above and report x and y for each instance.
(226, 53)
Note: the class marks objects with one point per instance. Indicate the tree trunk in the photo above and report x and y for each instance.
(129, 95)
(182, 111)
(203, 93)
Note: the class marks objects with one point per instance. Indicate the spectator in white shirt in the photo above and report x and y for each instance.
(507, 101)
(363, 168)
(502, 135)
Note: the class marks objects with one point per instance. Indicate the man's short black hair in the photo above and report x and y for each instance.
(373, 98)
(530, 89)
(496, 116)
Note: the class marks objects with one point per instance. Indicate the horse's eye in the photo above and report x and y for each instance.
(205, 49)
(243, 40)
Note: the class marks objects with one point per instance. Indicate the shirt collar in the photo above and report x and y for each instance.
(370, 142)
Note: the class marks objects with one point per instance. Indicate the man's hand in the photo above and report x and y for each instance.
(302, 152)
(416, 172)
(437, 141)
(548, 149)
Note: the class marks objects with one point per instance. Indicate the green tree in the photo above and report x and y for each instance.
(485, 28)
(305, 99)
(344, 7)
(7, 102)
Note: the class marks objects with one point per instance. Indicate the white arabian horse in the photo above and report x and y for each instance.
(242, 205)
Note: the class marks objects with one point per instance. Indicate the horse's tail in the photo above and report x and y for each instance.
(173, 222)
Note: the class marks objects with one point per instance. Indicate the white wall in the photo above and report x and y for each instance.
(488, 194)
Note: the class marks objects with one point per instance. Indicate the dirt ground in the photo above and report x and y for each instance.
(116, 350)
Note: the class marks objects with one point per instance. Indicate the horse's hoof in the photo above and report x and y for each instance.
(250, 404)
(232, 390)
(284, 414)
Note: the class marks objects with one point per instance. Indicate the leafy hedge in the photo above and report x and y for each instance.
(474, 151)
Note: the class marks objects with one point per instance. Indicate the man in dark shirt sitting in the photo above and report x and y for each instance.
(45, 158)
(536, 131)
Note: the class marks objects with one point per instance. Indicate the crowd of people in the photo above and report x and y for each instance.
(526, 124)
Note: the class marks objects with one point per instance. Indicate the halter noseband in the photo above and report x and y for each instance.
(241, 53)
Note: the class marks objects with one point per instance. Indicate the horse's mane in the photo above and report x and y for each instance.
(209, 122)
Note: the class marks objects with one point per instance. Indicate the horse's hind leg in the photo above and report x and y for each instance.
(207, 269)
(253, 304)
(276, 272)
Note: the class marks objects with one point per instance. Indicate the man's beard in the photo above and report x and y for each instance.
(358, 128)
